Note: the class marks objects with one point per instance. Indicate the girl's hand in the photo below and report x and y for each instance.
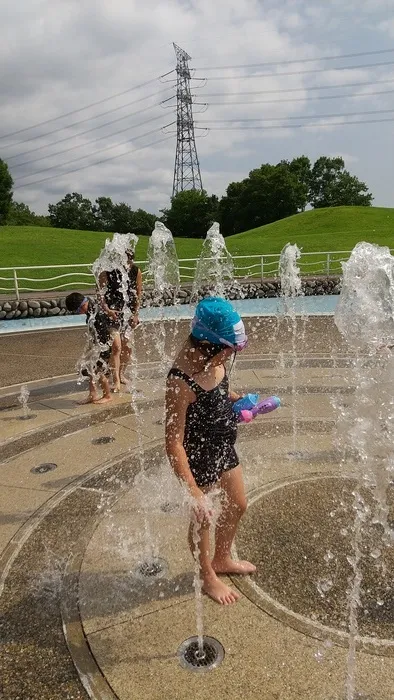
(201, 507)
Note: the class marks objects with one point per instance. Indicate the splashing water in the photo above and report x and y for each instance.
(291, 287)
(365, 317)
(163, 271)
(215, 265)
(163, 266)
(289, 272)
(112, 257)
(23, 399)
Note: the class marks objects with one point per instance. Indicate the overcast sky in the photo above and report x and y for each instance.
(59, 57)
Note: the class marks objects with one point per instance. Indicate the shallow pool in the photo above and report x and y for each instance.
(310, 306)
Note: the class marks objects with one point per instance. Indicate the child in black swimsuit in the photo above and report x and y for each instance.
(201, 430)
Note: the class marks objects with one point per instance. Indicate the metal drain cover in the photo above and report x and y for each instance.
(190, 658)
(169, 507)
(104, 440)
(28, 416)
(44, 468)
(151, 569)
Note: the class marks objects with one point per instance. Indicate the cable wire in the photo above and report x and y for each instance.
(302, 89)
(81, 109)
(81, 121)
(300, 116)
(299, 60)
(101, 138)
(301, 72)
(91, 165)
(101, 150)
(301, 99)
(296, 126)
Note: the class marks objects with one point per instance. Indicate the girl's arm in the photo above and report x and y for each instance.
(138, 290)
(102, 286)
(233, 396)
(178, 397)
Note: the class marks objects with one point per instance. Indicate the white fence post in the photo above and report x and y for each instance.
(16, 284)
(262, 267)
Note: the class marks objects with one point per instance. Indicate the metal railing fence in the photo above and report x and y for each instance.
(35, 278)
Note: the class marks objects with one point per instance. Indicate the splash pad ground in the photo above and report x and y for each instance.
(78, 620)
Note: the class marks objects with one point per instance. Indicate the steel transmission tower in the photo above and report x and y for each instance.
(187, 174)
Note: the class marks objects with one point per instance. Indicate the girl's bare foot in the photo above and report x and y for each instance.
(230, 566)
(116, 389)
(218, 591)
(104, 399)
(90, 399)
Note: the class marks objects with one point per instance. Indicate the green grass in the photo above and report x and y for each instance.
(320, 230)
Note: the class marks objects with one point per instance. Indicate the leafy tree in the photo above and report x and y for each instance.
(6, 183)
(104, 214)
(301, 168)
(271, 192)
(20, 214)
(333, 186)
(143, 222)
(191, 213)
(122, 218)
(73, 211)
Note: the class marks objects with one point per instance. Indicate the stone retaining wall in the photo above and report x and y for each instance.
(35, 308)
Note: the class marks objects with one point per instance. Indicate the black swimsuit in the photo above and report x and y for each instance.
(210, 431)
(114, 296)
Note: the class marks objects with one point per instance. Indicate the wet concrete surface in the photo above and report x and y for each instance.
(301, 536)
(33, 355)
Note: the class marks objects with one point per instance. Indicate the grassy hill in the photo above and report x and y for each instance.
(320, 230)
(338, 228)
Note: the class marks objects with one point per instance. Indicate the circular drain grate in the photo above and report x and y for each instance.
(151, 569)
(168, 507)
(44, 468)
(192, 659)
(28, 416)
(104, 440)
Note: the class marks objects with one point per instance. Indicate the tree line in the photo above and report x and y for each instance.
(269, 193)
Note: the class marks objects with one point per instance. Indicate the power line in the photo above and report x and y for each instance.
(81, 109)
(300, 72)
(87, 131)
(101, 150)
(91, 165)
(302, 99)
(296, 126)
(300, 116)
(299, 60)
(302, 89)
(81, 121)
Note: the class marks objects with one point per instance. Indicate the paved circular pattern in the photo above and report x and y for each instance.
(300, 535)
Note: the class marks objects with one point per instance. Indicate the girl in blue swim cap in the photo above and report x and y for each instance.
(201, 429)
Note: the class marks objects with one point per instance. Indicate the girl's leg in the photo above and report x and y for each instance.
(104, 383)
(92, 396)
(124, 357)
(115, 360)
(211, 584)
(234, 506)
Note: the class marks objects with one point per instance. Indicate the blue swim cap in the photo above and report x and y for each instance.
(216, 321)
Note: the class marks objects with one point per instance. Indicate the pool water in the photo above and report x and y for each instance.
(310, 306)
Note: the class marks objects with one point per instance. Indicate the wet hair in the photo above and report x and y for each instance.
(74, 301)
(209, 350)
